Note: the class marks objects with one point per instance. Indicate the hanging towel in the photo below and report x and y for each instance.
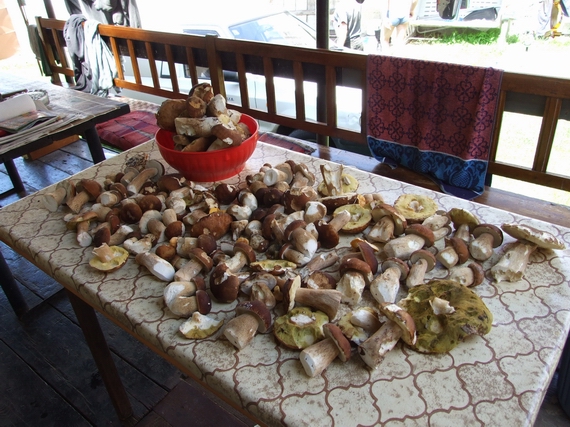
(93, 63)
(75, 42)
(100, 59)
(434, 118)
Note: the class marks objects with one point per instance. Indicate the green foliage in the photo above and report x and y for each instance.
(470, 37)
(513, 39)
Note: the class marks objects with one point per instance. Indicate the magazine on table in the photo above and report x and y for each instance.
(23, 117)
(27, 120)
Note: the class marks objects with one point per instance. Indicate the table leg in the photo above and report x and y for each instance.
(102, 355)
(94, 143)
(10, 288)
(14, 175)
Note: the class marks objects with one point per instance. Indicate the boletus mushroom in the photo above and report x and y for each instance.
(512, 265)
(300, 328)
(251, 317)
(439, 331)
(317, 357)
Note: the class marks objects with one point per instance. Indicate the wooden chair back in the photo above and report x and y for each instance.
(546, 97)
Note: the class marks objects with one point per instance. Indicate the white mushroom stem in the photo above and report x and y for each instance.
(317, 357)
(179, 298)
(374, 349)
(403, 247)
(385, 286)
(382, 231)
(513, 263)
(236, 262)
(436, 221)
(188, 271)
(84, 238)
(101, 211)
(54, 199)
(417, 273)
(319, 262)
(365, 319)
(158, 266)
(241, 330)
(351, 285)
(136, 184)
(184, 245)
(448, 257)
(442, 232)
(119, 236)
(304, 242)
(481, 248)
(104, 252)
(325, 300)
(136, 246)
(169, 216)
(463, 232)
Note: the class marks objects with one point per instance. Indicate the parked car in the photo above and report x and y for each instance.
(277, 28)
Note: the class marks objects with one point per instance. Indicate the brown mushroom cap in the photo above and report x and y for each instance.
(355, 264)
(425, 255)
(202, 257)
(150, 202)
(289, 289)
(491, 229)
(224, 285)
(131, 213)
(402, 318)
(368, 252)
(207, 243)
(298, 223)
(478, 273)
(328, 236)
(258, 310)
(217, 224)
(203, 300)
(460, 248)
(384, 209)
(90, 186)
(335, 334)
(247, 250)
(542, 239)
(422, 231)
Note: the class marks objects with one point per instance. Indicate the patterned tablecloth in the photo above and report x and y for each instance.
(496, 380)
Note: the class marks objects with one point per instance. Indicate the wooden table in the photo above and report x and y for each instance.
(498, 379)
(90, 110)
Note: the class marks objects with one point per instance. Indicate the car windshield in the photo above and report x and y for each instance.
(281, 28)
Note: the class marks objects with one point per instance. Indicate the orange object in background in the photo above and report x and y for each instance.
(8, 40)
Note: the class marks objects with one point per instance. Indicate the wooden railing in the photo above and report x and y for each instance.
(546, 97)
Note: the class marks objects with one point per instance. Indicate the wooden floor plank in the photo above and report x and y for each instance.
(21, 407)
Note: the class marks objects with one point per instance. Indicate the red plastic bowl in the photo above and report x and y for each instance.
(209, 166)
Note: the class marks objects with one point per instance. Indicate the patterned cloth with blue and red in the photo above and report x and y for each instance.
(434, 118)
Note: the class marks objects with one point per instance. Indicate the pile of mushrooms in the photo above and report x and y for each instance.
(323, 268)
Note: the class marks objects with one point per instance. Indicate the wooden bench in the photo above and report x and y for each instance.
(545, 97)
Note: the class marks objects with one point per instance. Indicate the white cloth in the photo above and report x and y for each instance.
(100, 60)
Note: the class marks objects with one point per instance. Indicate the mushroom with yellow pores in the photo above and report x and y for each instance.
(108, 258)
